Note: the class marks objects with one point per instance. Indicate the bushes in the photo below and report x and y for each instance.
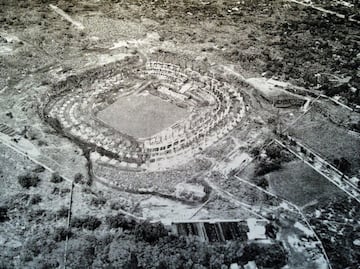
(277, 153)
(35, 199)
(98, 201)
(88, 222)
(262, 182)
(62, 212)
(268, 256)
(3, 214)
(267, 167)
(274, 152)
(78, 178)
(28, 180)
(343, 165)
(120, 221)
(56, 178)
(38, 169)
(150, 232)
(61, 233)
(271, 230)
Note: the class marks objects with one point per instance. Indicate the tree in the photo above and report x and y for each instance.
(98, 201)
(61, 233)
(150, 232)
(133, 262)
(270, 230)
(28, 180)
(78, 178)
(120, 221)
(56, 178)
(88, 222)
(263, 183)
(267, 167)
(343, 165)
(62, 212)
(3, 214)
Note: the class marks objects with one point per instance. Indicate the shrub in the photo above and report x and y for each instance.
(62, 212)
(64, 191)
(267, 167)
(120, 221)
(48, 264)
(273, 151)
(116, 206)
(78, 178)
(28, 180)
(262, 183)
(56, 178)
(88, 222)
(38, 169)
(3, 214)
(271, 230)
(343, 165)
(61, 233)
(255, 151)
(269, 256)
(35, 199)
(98, 201)
(55, 191)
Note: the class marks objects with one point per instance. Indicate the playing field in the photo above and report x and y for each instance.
(141, 115)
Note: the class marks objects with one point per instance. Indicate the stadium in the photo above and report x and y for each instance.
(185, 112)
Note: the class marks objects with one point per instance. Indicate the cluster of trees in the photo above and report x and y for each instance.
(88, 222)
(311, 45)
(138, 245)
(120, 221)
(265, 167)
(150, 232)
(339, 246)
(275, 157)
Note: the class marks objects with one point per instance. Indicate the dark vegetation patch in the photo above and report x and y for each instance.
(28, 180)
(337, 228)
(88, 222)
(56, 178)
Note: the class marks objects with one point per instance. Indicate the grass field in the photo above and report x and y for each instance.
(300, 184)
(327, 139)
(141, 115)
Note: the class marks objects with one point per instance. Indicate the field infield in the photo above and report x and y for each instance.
(141, 115)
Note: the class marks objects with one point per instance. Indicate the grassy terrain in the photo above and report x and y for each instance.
(300, 184)
(328, 139)
(141, 115)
